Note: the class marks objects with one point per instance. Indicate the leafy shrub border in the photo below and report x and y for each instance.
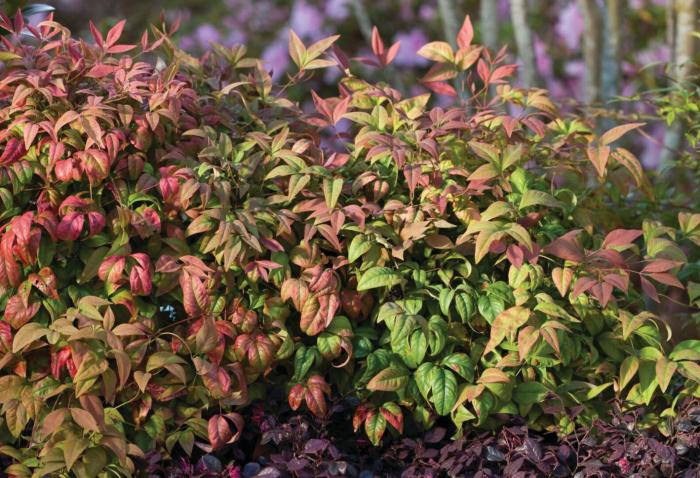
(179, 239)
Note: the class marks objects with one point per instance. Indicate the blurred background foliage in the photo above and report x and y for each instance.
(586, 52)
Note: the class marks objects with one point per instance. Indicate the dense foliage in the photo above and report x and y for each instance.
(286, 446)
(179, 239)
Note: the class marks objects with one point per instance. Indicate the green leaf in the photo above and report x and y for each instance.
(490, 307)
(690, 370)
(438, 334)
(628, 369)
(505, 325)
(92, 264)
(438, 386)
(161, 359)
(664, 372)
(389, 380)
(378, 277)
(464, 305)
(73, 448)
(358, 246)
(597, 390)
(462, 364)
(375, 425)
(445, 300)
(484, 240)
(28, 334)
(439, 51)
(686, 350)
(647, 380)
(414, 349)
(532, 197)
(520, 234)
(7, 56)
(331, 191)
(530, 393)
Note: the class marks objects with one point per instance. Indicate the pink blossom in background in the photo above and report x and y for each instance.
(276, 57)
(306, 20)
(405, 12)
(203, 36)
(338, 9)
(503, 10)
(236, 37)
(653, 148)
(427, 13)
(545, 68)
(575, 71)
(655, 53)
(637, 4)
(542, 58)
(331, 75)
(411, 42)
(569, 27)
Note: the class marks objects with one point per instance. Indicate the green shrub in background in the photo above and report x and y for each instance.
(179, 239)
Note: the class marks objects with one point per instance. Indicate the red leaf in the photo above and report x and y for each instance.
(45, 281)
(71, 226)
(115, 33)
(617, 132)
(602, 292)
(562, 279)
(582, 285)
(412, 173)
(219, 430)
(466, 34)
(96, 35)
(195, 298)
(140, 276)
(649, 289)
(96, 222)
(567, 247)
(599, 157)
(377, 43)
(30, 132)
(296, 395)
(316, 389)
(618, 280)
(440, 88)
(14, 150)
(621, 237)
(100, 70)
(661, 265)
(111, 269)
(667, 279)
(18, 312)
(395, 421)
(392, 52)
(516, 255)
(359, 416)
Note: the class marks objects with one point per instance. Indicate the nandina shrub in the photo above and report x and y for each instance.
(179, 239)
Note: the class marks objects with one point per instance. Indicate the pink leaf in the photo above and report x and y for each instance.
(71, 226)
(466, 34)
(621, 237)
(115, 33)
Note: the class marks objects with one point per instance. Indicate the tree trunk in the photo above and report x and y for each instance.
(523, 40)
(363, 21)
(449, 21)
(685, 40)
(488, 17)
(592, 48)
(686, 17)
(610, 77)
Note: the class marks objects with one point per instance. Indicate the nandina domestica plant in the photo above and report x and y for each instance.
(178, 239)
